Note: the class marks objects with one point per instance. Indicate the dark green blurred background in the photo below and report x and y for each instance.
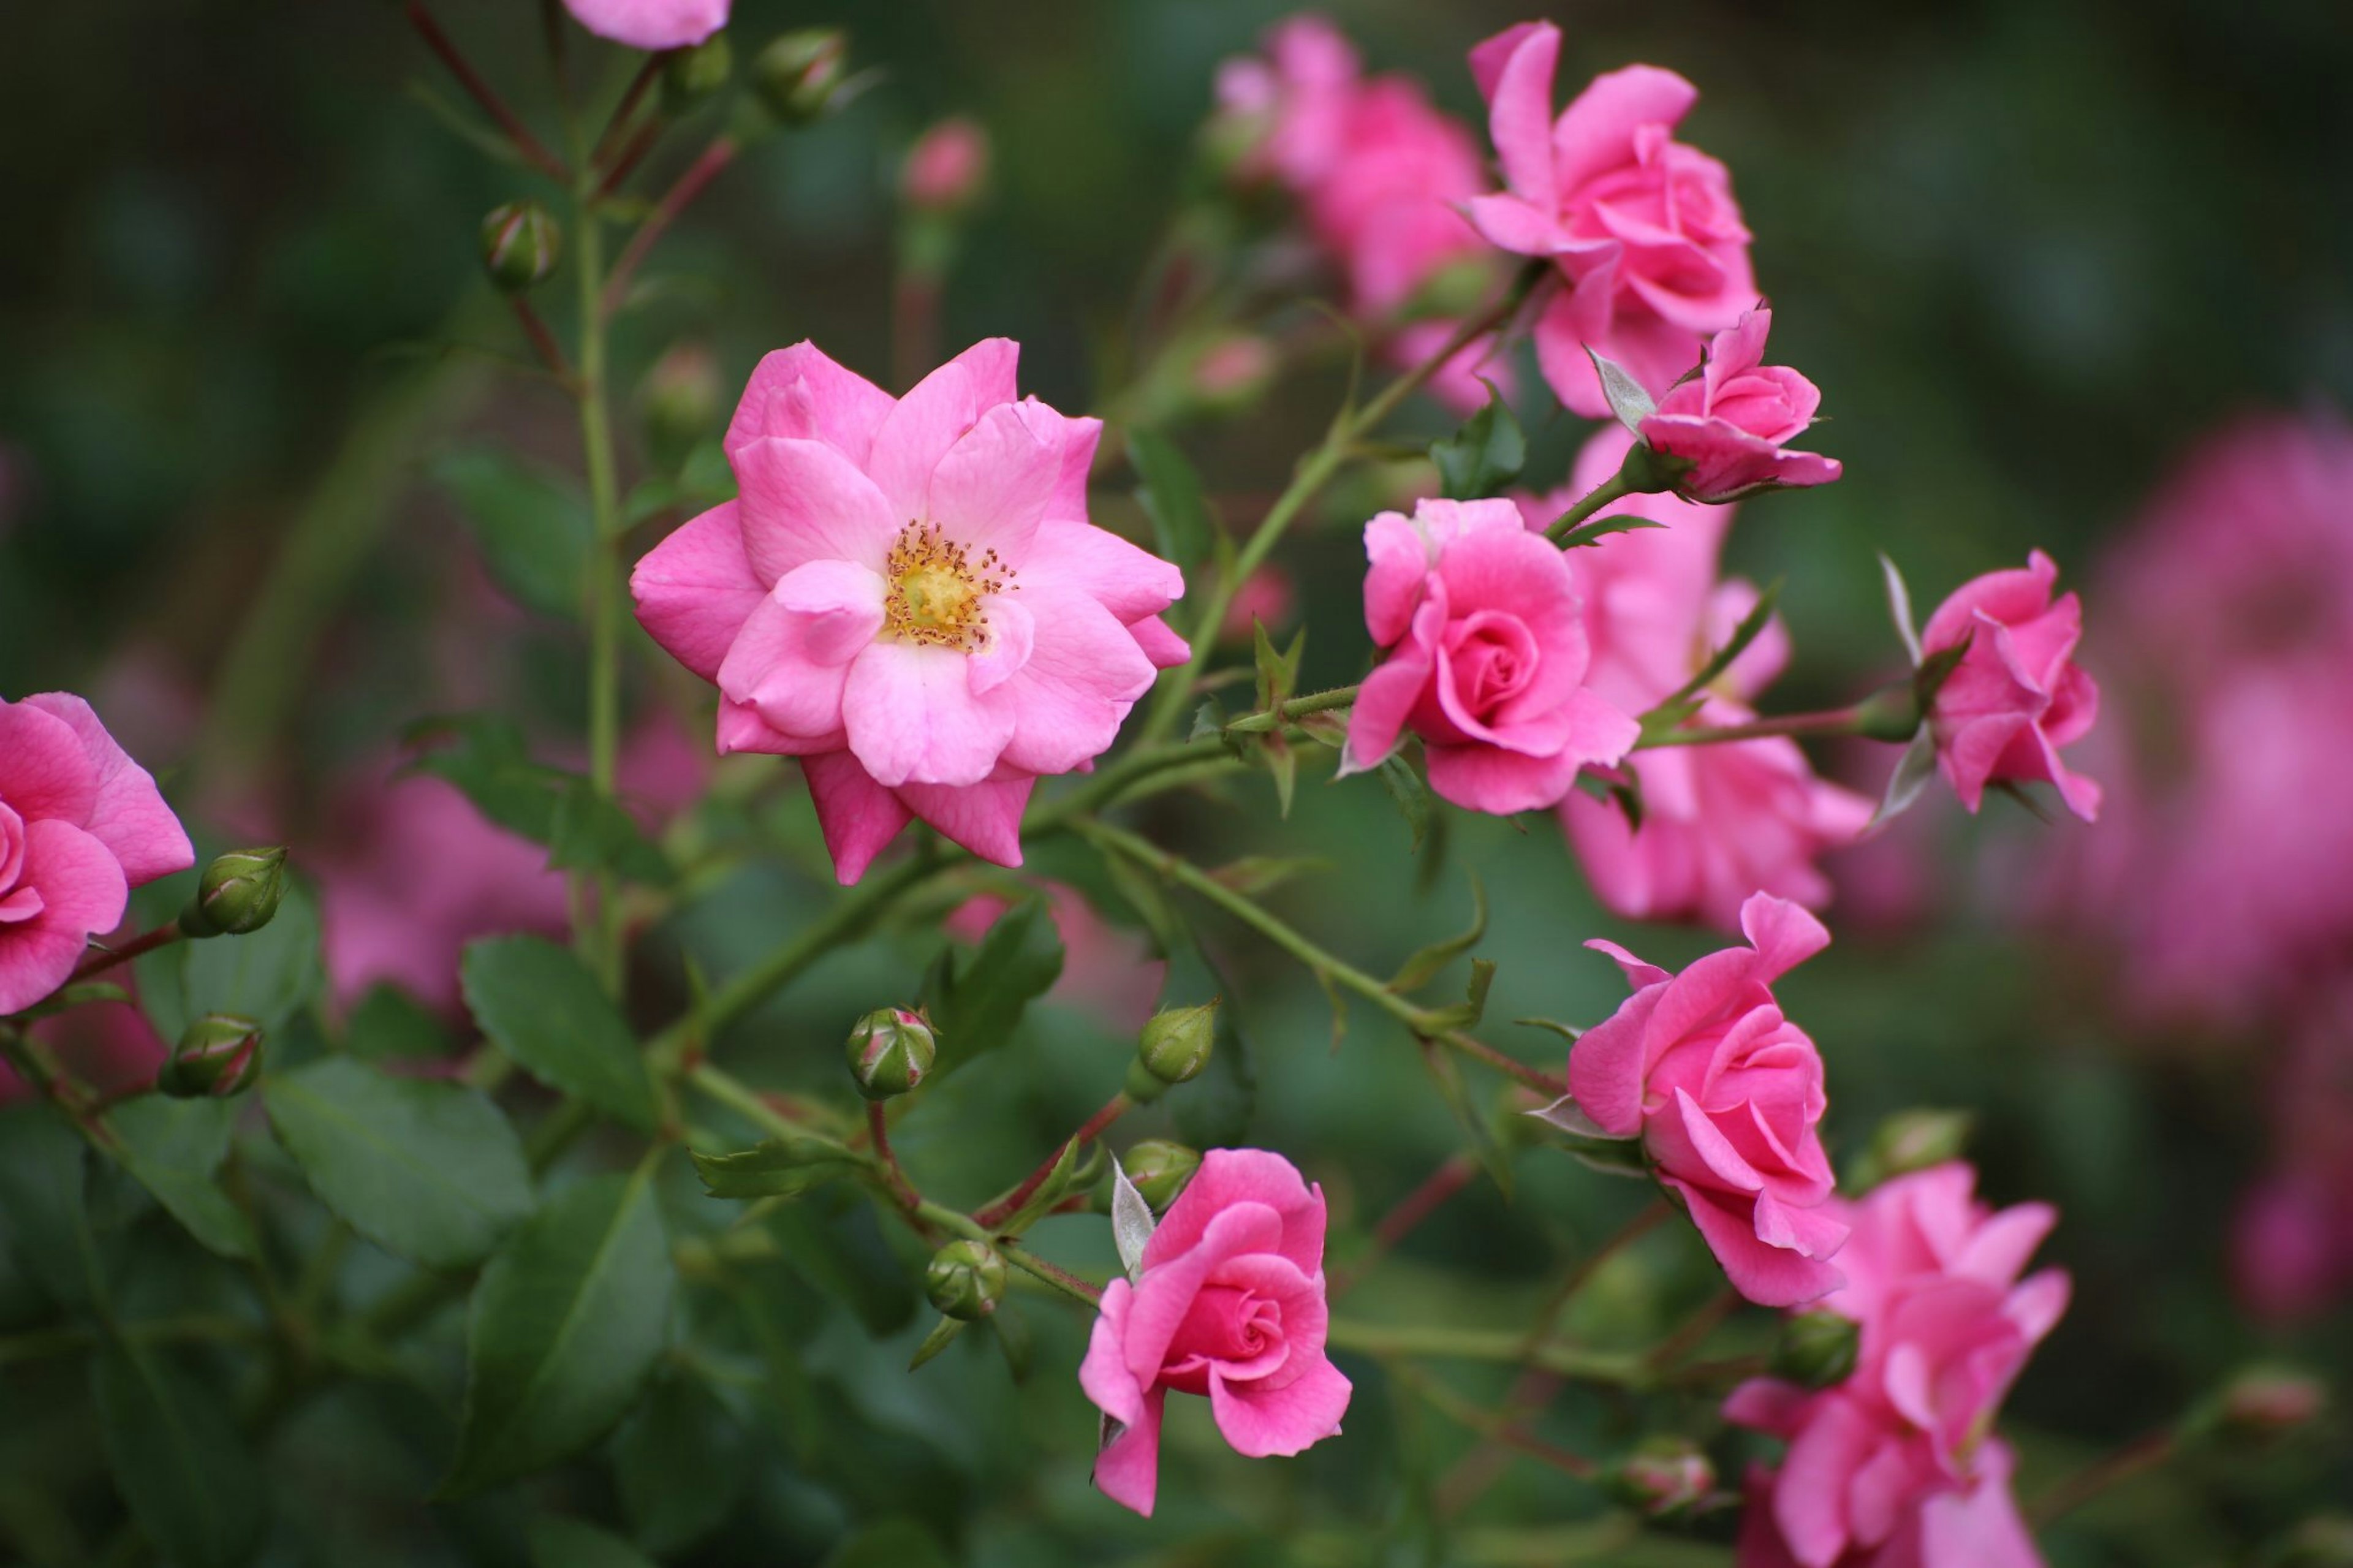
(2028, 250)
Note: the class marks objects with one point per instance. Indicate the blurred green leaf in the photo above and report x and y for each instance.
(1411, 794)
(174, 1147)
(178, 1459)
(485, 756)
(837, 1246)
(268, 976)
(539, 1005)
(532, 525)
(1596, 529)
(389, 1025)
(1485, 455)
(1424, 965)
(778, 1167)
(680, 1461)
(590, 832)
(44, 1209)
(892, 1543)
(977, 1002)
(558, 1541)
(430, 1171)
(565, 1323)
(1172, 497)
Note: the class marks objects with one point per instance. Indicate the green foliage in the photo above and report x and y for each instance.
(174, 1147)
(531, 524)
(779, 1167)
(558, 1541)
(539, 1005)
(484, 755)
(1173, 497)
(270, 976)
(184, 1469)
(1485, 455)
(976, 1002)
(680, 1463)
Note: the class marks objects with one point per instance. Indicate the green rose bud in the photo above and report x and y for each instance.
(692, 75)
(241, 892)
(1159, 1170)
(219, 1056)
(890, 1050)
(1175, 1046)
(2268, 1402)
(519, 245)
(799, 76)
(1664, 1475)
(1914, 1141)
(1816, 1349)
(965, 1279)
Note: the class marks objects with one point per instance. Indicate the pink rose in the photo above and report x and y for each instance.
(81, 825)
(1228, 1303)
(108, 1046)
(908, 598)
(1107, 970)
(947, 166)
(1893, 1467)
(1487, 658)
(650, 24)
(2017, 696)
(1648, 238)
(1731, 421)
(1726, 1096)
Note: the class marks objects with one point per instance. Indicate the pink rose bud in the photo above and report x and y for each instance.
(947, 169)
(2017, 696)
(891, 1050)
(2267, 1401)
(1726, 428)
(1227, 1302)
(521, 245)
(650, 24)
(799, 76)
(1487, 658)
(1726, 1096)
(219, 1056)
(81, 825)
(1663, 1476)
(1233, 370)
(1266, 599)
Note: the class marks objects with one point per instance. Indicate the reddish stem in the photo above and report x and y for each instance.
(1450, 1177)
(625, 162)
(550, 353)
(699, 173)
(106, 958)
(623, 110)
(1009, 1205)
(1510, 1067)
(534, 152)
(879, 1126)
(915, 324)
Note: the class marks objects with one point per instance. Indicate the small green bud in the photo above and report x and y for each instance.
(889, 1051)
(240, 893)
(1816, 1349)
(1175, 1044)
(1664, 1475)
(683, 401)
(799, 74)
(1891, 713)
(219, 1056)
(1648, 471)
(519, 245)
(2268, 1402)
(965, 1279)
(1159, 1170)
(692, 75)
(1914, 1140)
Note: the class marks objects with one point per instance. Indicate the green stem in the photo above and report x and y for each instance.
(598, 929)
(2134, 1458)
(1297, 707)
(1614, 488)
(1833, 721)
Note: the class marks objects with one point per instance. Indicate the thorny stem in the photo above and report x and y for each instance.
(106, 958)
(689, 185)
(1614, 488)
(1297, 707)
(531, 148)
(1092, 1128)
(1832, 722)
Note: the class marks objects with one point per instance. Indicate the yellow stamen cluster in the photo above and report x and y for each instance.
(936, 589)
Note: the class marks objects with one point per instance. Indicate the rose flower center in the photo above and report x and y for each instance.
(936, 589)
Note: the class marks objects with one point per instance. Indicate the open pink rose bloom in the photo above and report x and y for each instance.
(2017, 696)
(1228, 1303)
(908, 598)
(650, 24)
(1732, 421)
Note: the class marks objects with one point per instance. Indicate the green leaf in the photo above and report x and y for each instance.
(560, 1543)
(532, 527)
(270, 976)
(681, 1462)
(590, 832)
(173, 1147)
(1172, 497)
(892, 1543)
(1410, 792)
(44, 1206)
(542, 1006)
(1422, 968)
(389, 1025)
(1278, 671)
(178, 1459)
(485, 756)
(778, 1167)
(845, 1254)
(975, 1004)
(1485, 455)
(430, 1171)
(1254, 874)
(943, 1335)
(1601, 527)
(565, 1323)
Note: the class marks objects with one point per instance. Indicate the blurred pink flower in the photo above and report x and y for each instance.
(81, 825)
(1234, 369)
(1268, 598)
(1894, 1466)
(1107, 970)
(650, 24)
(947, 167)
(1726, 1096)
(1486, 658)
(2292, 1245)
(1731, 421)
(2017, 697)
(109, 1047)
(1652, 250)
(1228, 1303)
(910, 599)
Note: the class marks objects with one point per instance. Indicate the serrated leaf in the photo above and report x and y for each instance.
(1131, 1224)
(540, 1006)
(1628, 399)
(389, 1025)
(975, 1004)
(532, 525)
(590, 832)
(1208, 720)
(944, 1335)
(680, 1463)
(1485, 456)
(1913, 771)
(1278, 671)
(430, 1171)
(1899, 607)
(1422, 968)
(560, 1543)
(484, 755)
(778, 1167)
(566, 1322)
(1410, 792)
(173, 1147)
(1173, 498)
(1594, 530)
(1752, 626)
(178, 1459)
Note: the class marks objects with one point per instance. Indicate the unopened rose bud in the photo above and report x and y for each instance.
(519, 246)
(1914, 1140)
(219, 1056)
(965, 1279)
(1233, 371)
(1174, 1046)
(1664, 1475)
(1816, 1349)
(2266, 1402)
(241, 892)
(947, 169)
(1158, 1170)
(889, 1051)
(692, 75)
(683, 401)
(799, 76)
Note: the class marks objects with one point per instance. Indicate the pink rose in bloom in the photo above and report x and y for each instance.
(1267, 599)
(81, 825)
(1107, 970)
(1894, 1467)
(1487, 658)
(650, 24)
(908, 598)
(2292, 1247)
(1726, 1096)
(1730, 421)
(1228, 1303)
(2017, 696)
(947, 166)
(1651, 251)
